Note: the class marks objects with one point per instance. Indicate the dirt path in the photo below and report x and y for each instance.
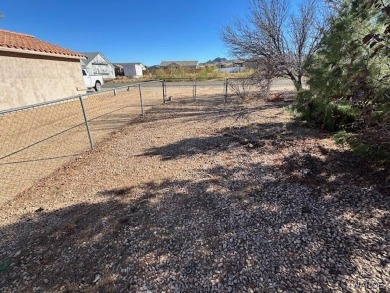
(199, 197)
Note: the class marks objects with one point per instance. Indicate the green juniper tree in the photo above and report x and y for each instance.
(350, 73)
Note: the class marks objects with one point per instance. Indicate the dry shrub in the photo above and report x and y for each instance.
(249, 88)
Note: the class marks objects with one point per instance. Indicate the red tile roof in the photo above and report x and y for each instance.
(20, 41)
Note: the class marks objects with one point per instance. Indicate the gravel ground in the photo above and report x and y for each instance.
(203, 197)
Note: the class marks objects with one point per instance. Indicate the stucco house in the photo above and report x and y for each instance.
(135, 70)
(34, 71)
(178, 64)
(97, 64)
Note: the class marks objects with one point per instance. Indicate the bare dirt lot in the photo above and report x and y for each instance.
(203, 197)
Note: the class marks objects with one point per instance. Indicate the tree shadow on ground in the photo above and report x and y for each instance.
(242, 228)
(263, 137)
(201, 109)
(304, 224)
(324, 166)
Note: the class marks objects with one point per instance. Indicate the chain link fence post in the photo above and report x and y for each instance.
(140, 98)
(195, 88)
(163, 90)
(86, 122)
(226, 89)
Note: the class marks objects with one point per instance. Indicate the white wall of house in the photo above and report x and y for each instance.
(133, 70)
(129, 69)
(231, 69)
(99, 66)
(139, 70)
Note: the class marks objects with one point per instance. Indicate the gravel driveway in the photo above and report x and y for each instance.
(203, 197)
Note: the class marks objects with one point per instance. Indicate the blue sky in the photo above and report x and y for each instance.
(147, 31)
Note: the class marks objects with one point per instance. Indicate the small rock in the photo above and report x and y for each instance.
(17, 253)
(188, 270)
(41, 209)
(97, 278)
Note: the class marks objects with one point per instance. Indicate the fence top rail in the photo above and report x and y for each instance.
(198, 84)
(135, 84)
(140, 82)
(71, 98)
(174, 79)
(211, 79)
(67, 99)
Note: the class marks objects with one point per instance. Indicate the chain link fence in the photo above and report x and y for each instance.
(38, 139)
(241, 87)
(194, 89)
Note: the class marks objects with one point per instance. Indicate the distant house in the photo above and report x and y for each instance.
(130, 69)
(232, 66)
(119, 71)
(178, 64)
(224, 64)
(98, 64)
(238, 63)
(254, 63)
(154, 67)
(33, 71)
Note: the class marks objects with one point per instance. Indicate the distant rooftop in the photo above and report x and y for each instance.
(129, 63)
(90, 56)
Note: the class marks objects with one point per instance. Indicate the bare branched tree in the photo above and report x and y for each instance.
(277, 41)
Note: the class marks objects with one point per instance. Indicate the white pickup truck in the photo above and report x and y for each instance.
(92, 81)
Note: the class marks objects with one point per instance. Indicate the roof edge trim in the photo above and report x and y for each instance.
(31, 52)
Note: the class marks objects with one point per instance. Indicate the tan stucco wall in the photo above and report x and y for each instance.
(30, 79)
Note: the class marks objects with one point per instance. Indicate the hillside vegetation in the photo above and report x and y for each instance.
(202, 74)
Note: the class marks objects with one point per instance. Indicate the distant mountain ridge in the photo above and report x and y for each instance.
(216, 61)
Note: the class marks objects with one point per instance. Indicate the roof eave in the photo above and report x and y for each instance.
(31, 52)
